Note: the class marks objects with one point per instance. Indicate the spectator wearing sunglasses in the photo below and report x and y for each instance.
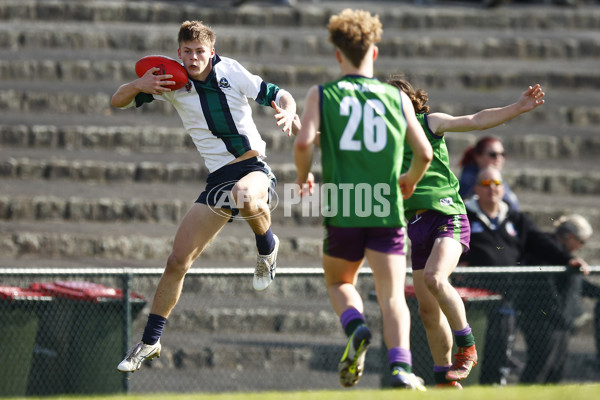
(487, 151)
(502, 236)
(548, 305)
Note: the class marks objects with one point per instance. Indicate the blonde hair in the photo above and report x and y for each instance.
(191, 31)
(575, 224)
(353, 32)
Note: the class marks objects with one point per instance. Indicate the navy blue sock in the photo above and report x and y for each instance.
(154, 328)
(265, 243)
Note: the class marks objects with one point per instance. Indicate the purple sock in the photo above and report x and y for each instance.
(154, 328)
(463, 332)
(399, 355)
(441, 368)
(349, 315)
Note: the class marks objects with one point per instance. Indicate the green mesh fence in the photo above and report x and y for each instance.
(65, 331)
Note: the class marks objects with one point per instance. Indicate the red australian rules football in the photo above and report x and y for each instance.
(167, 65)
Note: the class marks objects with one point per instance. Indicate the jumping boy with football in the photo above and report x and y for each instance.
(215, 112)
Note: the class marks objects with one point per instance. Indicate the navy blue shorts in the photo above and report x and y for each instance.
(350, 243)
(424, 228)
(219, 183)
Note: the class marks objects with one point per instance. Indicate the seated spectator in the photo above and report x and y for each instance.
(549, 304)
(487, 151)
(501, 236)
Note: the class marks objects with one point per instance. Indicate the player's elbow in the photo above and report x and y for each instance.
(114, 102)
(117, 102)
(426, 155)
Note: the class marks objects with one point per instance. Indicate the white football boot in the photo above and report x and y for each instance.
(137, 355)
(265, 268)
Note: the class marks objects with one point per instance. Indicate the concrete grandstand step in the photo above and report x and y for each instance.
(564, 113)
(265, 312)
(409, 16)
(166, 203)
(31, 199)
(520, 137)
(141, 138)
(72, 201)
(80, 39)
(104, 166)
(77, 75)
(301, 245)
(159, 168)
(145, 241)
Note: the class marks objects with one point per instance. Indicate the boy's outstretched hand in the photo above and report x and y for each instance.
(531, 98)
(291, 123)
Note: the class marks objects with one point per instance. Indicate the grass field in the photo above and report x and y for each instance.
(547, 392)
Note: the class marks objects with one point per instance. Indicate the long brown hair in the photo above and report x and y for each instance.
(418, 97)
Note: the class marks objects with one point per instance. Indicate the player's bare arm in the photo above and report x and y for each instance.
(530, 99)
(422, 151)
(147, 83)
(305, 139)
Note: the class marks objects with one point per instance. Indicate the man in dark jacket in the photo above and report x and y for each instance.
(502, 237)
(549, 304)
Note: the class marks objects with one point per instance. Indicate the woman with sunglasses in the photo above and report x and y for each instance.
(439, 232)
(487, 152)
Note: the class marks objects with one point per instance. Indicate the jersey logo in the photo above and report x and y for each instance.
(188, 86)
(446, 201)
(224, 83)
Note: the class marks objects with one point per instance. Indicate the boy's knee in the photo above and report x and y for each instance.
(433, 282)
(247, 199)
(243, 195)
(178, 265)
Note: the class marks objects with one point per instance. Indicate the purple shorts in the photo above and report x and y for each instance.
(424, 228)
(350, 243)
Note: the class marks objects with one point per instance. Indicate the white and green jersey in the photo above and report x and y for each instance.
(362, 141)
(216, 112)
(438, 189)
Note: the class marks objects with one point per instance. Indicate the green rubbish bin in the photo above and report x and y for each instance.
(477, 303)
(80, 340)
(19, 319)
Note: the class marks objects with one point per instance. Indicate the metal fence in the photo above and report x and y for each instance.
(65, 330)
